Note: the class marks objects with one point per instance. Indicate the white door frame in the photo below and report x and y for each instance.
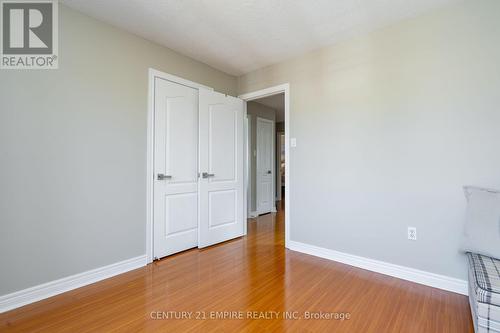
(246, 164)
(248, 189)
(153, 74)
(273, 166)
(278, 165)
(282, 88)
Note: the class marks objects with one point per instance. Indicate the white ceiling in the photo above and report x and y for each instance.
(276, 102)
(238, 36)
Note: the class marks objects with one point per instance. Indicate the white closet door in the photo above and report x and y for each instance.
(176, 168)
(265, 166)
(222, 166)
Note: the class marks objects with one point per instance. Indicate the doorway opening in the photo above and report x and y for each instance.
(199, 198)
(268, 154)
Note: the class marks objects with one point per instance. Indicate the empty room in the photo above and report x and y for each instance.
(250, 166)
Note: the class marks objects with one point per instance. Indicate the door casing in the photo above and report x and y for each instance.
(279, 142)
(274, 90)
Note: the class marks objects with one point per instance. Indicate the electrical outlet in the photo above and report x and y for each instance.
(412, 233)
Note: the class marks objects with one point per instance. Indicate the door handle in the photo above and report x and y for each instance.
(269, 172)
(207, 175)
(161, 176)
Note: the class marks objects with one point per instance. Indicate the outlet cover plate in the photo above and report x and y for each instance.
(412, 233)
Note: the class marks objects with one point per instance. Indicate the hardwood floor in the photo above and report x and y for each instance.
(253, 273)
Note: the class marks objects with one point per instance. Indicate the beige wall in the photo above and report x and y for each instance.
(389, 127)
(255, 110)
(73, 152)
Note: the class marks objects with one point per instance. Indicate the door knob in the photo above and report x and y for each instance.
(207, 175)
(161, 176)
(269, 172)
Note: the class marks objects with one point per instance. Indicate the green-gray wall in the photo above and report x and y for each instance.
(389, 127)
(73, 152)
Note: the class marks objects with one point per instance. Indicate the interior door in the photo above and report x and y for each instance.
(221, 186)
(176, 168)
(265, 166)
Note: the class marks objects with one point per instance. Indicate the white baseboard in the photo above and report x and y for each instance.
(52, 288)
(257, 213)
(253, 215)
(402, 272)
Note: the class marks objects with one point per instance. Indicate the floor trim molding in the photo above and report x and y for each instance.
(52, 288)
(253, 215)
(402, 272)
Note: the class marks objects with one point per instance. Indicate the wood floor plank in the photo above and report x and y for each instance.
(253, 273)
